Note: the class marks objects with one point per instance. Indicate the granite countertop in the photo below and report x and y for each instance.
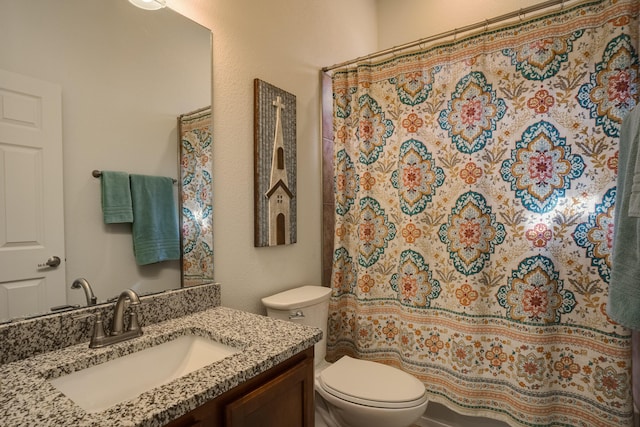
(28, 399)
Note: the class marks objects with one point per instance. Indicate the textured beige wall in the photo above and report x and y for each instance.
(403, 21)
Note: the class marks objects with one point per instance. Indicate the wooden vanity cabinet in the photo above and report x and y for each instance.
(279, 397)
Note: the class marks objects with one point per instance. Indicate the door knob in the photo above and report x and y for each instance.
(54, 261)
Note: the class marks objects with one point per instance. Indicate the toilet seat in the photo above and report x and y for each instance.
(372, 384)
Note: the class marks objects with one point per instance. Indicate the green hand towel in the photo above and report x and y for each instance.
(623, 304)
(156, 234)
(116, 197)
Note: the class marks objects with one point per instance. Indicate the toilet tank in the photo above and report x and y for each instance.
(308, 305)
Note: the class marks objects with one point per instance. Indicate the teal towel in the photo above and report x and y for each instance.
(156, 234)
(116, 197)
(623, 305)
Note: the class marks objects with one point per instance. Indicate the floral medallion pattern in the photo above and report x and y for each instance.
(417, 177)
(542, 58)
(613, 383)
(471, 173)
(346, 183)
(612, 90)
(413, 88)
(471, 233)
(535, 293)
(343, 102)
(466, 294)
(596, 235)
(374, 232)
(539, 235)
(472, 113)
(345, 279)
(412, 123)
(541, 167)
(373, 129)
(566, 367)
(411, 233)
(531, 368)
(474, 187)
(541, 102)
(413, 281)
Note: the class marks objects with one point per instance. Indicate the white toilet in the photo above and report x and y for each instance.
(350, 392)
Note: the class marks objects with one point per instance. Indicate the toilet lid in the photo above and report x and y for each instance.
(372, 384)
(303, 296)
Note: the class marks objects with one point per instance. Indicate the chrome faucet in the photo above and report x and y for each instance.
(118, 333)
(88, 292)
(117, 325)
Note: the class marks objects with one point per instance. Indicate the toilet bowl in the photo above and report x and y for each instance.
(350, 392)
(361, 393)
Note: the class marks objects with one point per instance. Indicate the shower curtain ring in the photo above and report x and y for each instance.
(520, 15)
(455, 34)
(486, 25)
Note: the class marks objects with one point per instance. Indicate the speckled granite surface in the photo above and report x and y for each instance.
(37, 335)
(28, 399)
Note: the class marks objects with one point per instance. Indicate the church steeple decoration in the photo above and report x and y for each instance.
(275, 166)
(279, 196)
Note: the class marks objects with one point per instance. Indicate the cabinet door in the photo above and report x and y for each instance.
(285, 401)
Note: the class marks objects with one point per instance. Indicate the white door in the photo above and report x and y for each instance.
(31, 203)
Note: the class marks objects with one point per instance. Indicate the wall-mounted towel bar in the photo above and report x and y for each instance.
(97, 174)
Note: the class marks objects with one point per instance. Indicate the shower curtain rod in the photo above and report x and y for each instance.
(483, 24)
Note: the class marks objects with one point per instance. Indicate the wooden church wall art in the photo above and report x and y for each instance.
(274, 165)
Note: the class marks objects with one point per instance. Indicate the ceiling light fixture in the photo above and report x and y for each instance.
(149, 4)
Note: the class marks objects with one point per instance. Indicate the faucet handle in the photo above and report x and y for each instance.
(133, 321)
(98, 327)
(98, 333)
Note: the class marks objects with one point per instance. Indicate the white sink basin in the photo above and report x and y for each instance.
(99, 387)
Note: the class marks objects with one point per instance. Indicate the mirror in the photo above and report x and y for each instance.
(126, 76)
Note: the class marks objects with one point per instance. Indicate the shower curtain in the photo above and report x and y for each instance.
(474, 184)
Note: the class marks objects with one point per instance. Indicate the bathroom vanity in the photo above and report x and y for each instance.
(269, 377)
(279, 397)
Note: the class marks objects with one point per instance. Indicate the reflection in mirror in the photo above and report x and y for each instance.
(125, 75)
(196, 204)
